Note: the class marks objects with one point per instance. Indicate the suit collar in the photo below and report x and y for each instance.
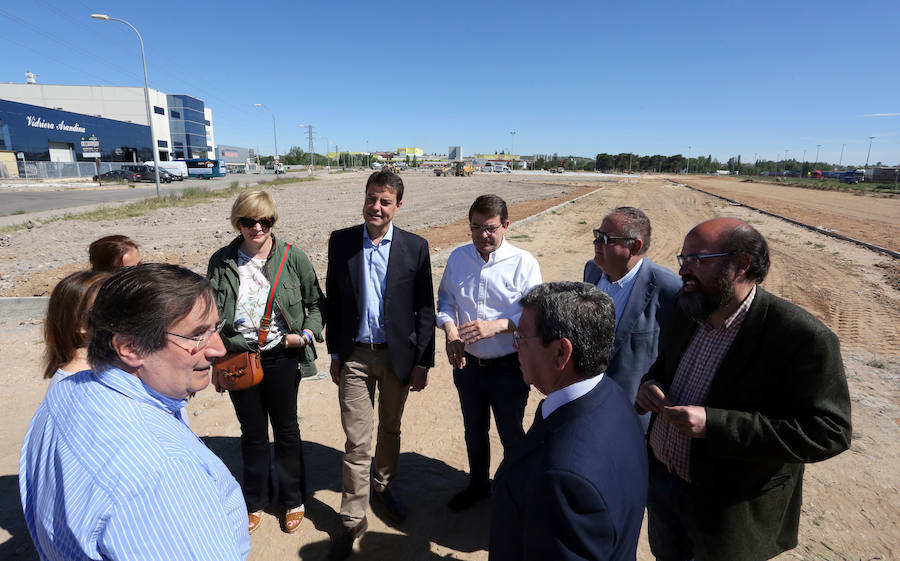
(583, 405)
(641, 293)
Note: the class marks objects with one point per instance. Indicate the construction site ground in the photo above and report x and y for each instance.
(851, 502)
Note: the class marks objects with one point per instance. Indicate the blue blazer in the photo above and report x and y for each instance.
(641, 331)
(408, 299)
(576, 486)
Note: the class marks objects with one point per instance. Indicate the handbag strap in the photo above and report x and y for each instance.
(266, 321)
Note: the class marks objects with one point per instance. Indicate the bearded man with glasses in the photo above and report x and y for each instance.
(748, 389)
(642, 291)
(478, 309)
(109, 467)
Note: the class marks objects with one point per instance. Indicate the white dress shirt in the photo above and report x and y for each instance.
(474, 289)
(568, 394)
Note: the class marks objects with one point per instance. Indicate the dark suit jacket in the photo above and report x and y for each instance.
(642, 329)
(408, 298)
(576, 486)
(779, 400)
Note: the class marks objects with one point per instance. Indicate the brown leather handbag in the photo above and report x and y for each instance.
(243, 369)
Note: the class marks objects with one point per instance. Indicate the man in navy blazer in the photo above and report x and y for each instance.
(576, 486)
(380, 310)
(643, 293)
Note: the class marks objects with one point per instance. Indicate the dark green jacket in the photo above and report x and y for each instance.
(779, 400)
(299, 298)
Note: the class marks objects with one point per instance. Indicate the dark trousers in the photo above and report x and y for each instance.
(273, 400)
(484, 386)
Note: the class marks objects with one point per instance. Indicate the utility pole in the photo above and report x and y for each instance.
(818, 147)
(512, 150)
(871, 138)
(803, 165)
(689, 160)
(312, 154)
(841, 160)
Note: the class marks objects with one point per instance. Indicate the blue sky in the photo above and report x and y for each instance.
(725, 78)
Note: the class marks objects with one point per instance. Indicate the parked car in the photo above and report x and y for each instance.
(118, 175)
(501, 169)
(147, 173)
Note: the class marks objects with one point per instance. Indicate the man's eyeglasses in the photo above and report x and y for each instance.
(600, 236)
(517, 339)
(489, 229)
(203, 340)
(248, 222)
(696, 258)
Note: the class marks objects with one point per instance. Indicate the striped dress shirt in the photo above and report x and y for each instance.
(110, 470)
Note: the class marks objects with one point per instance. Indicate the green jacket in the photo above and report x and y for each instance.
(299, 298)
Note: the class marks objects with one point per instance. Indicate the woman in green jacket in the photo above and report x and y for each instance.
(240, 274)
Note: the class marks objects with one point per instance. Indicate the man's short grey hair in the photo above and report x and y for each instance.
(635, 223)
(143, 302)
(579, 312)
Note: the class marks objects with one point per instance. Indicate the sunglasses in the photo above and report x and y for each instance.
(248, 222)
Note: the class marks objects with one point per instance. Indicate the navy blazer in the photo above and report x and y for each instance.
(408, 298)
(641, 330)
(576, 486)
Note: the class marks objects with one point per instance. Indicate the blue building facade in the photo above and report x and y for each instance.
(45, 134)
(187, 125)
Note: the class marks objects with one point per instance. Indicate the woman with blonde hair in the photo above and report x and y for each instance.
(66, 324)
(241, 274)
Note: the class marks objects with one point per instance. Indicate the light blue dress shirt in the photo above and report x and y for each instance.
(570, 393)
(109, 470)
(374, 274)
(620, 290)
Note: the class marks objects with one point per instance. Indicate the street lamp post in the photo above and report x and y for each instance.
(841, 160)
(689, 160)
(274, 132)
(328, 149)
(512, 150)
(153, 147)
(818, 147)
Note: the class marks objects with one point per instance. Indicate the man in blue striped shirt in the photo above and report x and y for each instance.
(109, 467)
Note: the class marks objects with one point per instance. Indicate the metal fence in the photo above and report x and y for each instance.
(59, 170)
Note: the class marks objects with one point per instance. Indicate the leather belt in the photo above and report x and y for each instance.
(487, 362)
(371, 346)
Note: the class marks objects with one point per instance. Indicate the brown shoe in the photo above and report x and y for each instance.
(253, 520)
(342, 545)
(293, 518)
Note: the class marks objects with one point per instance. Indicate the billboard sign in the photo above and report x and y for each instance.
(90, 146)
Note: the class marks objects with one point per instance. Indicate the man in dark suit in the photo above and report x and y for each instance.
(748, 389)
(576, 486)
(380, 310)
(642, 291)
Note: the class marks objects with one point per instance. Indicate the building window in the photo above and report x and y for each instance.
(159, 110)
(162, 143)
(207, 122)
(176, 115)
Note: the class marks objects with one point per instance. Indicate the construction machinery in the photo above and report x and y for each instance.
(461, 169)
(443, 171)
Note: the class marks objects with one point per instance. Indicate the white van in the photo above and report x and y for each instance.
(177, 169)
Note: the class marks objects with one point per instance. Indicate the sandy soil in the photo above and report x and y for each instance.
(851, 505)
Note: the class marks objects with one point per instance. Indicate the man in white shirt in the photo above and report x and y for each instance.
(478, 310)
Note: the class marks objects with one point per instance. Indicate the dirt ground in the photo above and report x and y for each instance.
(851, 502)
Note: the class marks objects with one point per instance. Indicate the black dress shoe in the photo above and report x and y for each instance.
(388, 502)
(342, 546)
(468, 496)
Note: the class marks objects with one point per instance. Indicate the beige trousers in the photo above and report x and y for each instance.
(360, 375)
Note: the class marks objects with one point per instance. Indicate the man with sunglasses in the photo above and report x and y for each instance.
(109, 468)
(748, 388)
(478, 309)
(642, 291)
